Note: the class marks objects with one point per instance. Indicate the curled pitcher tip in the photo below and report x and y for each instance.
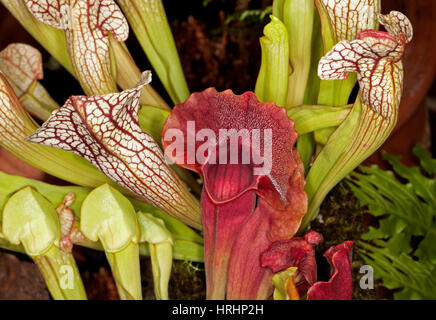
(373, 55)
(87, 26)
(105, 131)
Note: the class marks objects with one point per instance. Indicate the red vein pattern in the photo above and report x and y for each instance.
(87, 25)
(105, 131)
(348, 18)
(22, 65)
(376, 57)
(244, 210)
(16, 124)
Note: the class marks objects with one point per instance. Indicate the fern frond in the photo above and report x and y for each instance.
(406, 211)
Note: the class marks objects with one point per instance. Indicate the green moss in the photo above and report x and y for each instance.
(342, 218)
(187, 281)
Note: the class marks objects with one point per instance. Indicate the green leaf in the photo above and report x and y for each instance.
(405, 210)
(329, 168)
(427, 163)
(150, 25)
(298, 17)
(61, 275)
(9, 184)
(153, 229)
(311, 118)
(306, 148)
(151, 120)
(160, 242)
(253, 16)
(313, 82)
(280, 282)
(30, 219)
(126, 271)
(188, 244)
(108, 216)
(272, 82)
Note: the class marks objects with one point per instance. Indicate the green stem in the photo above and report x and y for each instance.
(128, 75)
(126, 270)
(188, 244)
(311, 118)
(182, 250)
(161, 261)
(38, 102)
(273, 79)
(331, 93)
(306, 147)
(149, 22)
(61, 275)
(359, 136)
(298, 16)
(325, 161)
